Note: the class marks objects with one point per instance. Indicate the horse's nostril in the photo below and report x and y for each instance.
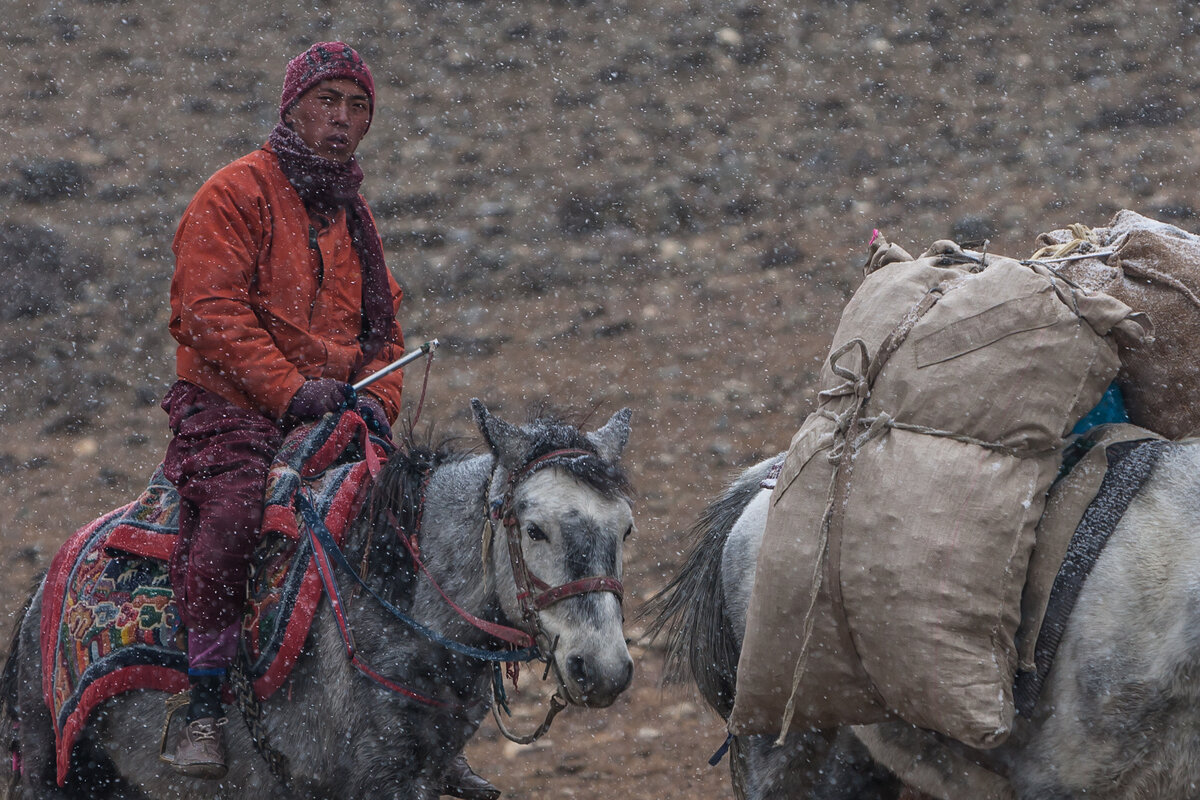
(628, 675)
(595, 683)
(580, 671)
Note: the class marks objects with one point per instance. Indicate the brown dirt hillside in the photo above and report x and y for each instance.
(654, 204)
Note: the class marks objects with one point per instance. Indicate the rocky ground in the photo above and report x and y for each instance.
(654, 204)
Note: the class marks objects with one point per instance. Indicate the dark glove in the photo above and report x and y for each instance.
(371, 410)
(317, 397)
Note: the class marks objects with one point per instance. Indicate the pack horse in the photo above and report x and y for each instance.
(1117, 715)
(518, 547)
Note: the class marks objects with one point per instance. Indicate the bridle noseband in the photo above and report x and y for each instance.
(534, 594)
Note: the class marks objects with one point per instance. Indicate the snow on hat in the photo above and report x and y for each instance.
(323, 61)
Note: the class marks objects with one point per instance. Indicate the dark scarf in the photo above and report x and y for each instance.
(326, 186)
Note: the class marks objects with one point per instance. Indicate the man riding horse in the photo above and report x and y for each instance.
(279, 301)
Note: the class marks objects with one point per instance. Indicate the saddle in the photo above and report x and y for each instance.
(109, 621)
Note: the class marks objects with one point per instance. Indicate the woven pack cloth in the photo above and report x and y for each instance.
(109, 621)
(1129, 466)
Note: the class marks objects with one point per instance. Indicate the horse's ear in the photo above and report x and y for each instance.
(507, 442)
(610, 440)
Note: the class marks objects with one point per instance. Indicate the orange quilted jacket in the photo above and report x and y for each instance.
(254, 308)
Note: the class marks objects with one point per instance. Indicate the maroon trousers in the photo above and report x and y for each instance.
(218, 460)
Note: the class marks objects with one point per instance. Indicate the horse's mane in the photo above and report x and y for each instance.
(398, 488)
(394, 507)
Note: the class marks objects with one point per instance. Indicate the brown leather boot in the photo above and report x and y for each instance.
(461, 781)
(200, 751)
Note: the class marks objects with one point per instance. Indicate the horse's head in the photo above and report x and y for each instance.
(560, 514)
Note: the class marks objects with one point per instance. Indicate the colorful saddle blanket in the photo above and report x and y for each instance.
(109, 621)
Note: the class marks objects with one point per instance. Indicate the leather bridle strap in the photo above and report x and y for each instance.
(550, 596)
(513, 636)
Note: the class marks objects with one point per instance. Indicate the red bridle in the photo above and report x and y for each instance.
(533, 593)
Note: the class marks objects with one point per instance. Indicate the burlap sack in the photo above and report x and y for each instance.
(1156, 270)
(889, 578)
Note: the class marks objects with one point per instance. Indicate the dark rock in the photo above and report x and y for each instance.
(200, 105)
(425, 238)
(1141, 184)
(1149, 112)
(30, 553)
(611, 75)
(1176, 212)
(782, 254)
(616, 329)
(744, 205)
(754, 50)
(41, 86)
(42, 270)
(47, 180)
(118, 194)
(473, 347)
(520, 31)
(590, 209)
(973, 229)
(69, 423)
(407, 205)
(564, 99)
(149, 395)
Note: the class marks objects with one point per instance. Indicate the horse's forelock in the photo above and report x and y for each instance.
(607, 478)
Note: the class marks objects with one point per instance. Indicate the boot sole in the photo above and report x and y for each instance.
(209, 772)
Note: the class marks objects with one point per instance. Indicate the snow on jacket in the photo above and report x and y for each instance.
(254, 308)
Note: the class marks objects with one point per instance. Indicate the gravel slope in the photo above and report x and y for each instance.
(660, 205)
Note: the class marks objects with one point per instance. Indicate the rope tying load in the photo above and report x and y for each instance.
(1083, 240)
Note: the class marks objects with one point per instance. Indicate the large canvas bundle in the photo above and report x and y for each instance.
(1156, 269)
(890, 574)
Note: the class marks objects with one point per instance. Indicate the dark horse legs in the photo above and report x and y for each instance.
(817, 765)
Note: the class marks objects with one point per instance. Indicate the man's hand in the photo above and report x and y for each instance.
(371, 410)
(317, 397)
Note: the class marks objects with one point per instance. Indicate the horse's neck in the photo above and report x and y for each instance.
(451, 543)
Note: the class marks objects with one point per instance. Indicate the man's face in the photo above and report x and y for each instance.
(332, 118)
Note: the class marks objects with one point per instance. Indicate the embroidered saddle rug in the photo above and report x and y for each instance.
(109, 621)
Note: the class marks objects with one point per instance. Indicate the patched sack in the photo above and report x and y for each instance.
(890, 574)
(1155, 269)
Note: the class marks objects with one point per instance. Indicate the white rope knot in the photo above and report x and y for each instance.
(876, 426)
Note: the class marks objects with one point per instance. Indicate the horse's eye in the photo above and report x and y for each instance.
(628, 532)
(535, 533)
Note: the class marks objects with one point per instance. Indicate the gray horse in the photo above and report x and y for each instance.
(529, 535)
(1118, 717)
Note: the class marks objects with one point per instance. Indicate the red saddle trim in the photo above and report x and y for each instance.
(141, 542)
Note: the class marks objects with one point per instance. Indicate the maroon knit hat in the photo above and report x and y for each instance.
(322, 61)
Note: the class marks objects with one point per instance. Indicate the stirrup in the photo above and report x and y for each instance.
(173, 703)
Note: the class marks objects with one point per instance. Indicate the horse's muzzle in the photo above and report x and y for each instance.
(590, 684)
